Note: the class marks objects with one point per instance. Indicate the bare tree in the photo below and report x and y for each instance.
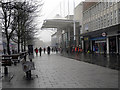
(18, 21)
(26, 28)
(7, 21)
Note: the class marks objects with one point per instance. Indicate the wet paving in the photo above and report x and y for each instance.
(110, 61)
(56, 71)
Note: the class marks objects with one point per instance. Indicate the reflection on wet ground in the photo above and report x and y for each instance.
(110, 61)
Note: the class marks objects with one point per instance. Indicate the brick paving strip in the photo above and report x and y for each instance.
(55, 71)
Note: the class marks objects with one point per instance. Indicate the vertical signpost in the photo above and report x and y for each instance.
(74, 26)
(1, 44)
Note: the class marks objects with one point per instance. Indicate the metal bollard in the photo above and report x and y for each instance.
(5, 70)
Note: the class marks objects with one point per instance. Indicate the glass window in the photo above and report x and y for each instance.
(104, 21)
(101, 6)
(111, 21)
(95, 10)
(115, 20)
(111, 15)
(106, 4)
(108, 19)
(110, 3)
(101, 22)
(114, 13)
(96, 23)
(98, 6)
(119, 12)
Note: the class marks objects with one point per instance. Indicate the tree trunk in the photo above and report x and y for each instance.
(8, 47)
(18, 44)
(24, 45)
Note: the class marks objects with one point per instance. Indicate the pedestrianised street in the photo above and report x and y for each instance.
(59, 44)
(55, 71)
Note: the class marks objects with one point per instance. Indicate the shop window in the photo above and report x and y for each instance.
(119, 12)
(107, 5)
(104, 20)
(104, 5)
(112, 45)
(115, 20)
(110, 3)
(111, 22)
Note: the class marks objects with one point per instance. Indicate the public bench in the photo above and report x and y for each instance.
(6, 61)
(15, 58)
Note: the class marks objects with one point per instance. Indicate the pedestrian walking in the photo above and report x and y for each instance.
(48, 50)
(56, 49)
(40, 50)
(44, 50)
(52, 49)
(36, 51)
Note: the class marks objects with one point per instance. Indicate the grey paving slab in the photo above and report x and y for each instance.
(55, 71)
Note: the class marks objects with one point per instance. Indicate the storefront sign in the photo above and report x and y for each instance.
(86, 38)
(98, 38)
(100, 41)
(103, 34)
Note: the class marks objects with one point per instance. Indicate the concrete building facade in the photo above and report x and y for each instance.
(101, 27)
(65, 30)
(78, 17)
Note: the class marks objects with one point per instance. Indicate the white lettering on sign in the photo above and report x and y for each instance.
(103, 34)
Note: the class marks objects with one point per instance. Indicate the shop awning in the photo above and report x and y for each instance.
(100, 31)
(58, 23)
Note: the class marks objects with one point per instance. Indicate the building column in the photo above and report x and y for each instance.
(116, 45)
(82, 44)
(69, 34)
(91, 45)
(74, 32)
(107, 45)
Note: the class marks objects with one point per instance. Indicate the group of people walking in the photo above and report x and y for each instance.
(40, 50)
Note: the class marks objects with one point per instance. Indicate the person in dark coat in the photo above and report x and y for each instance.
(36, 51)
(44, 50)
(40, 50)
(48, 50)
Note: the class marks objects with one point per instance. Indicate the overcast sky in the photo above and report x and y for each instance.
(53, 7)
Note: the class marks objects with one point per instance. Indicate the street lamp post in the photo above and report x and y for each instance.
(74, 26)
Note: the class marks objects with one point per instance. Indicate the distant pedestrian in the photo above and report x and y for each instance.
(40, 50)
(56, 49)
(36, 51)
(44, 50)
(105, 48)
(52, 49)
(4, 51)
(48, 50)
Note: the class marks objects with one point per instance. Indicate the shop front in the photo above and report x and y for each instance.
(119, 44)
(112, 44)
(98, 44)
(86, 44)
